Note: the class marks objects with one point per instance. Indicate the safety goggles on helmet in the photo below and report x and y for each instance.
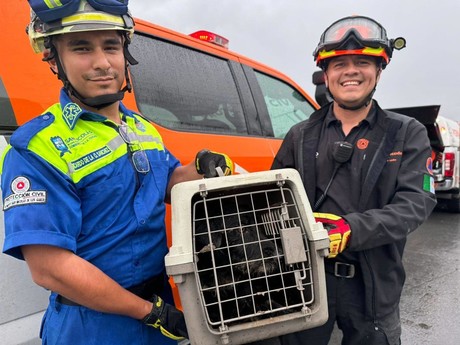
(356, 35)
(85, 18)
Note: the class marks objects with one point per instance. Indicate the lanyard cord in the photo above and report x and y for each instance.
(341, 153)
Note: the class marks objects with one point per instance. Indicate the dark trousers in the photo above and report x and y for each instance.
(346, 307)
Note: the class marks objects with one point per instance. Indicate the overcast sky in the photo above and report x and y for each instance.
(283, 35)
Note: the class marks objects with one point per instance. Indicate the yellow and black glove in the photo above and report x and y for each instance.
(338, 230)
(165, 317)
(212, 164)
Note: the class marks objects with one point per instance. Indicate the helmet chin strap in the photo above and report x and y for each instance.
(363, 104)
(98, 102)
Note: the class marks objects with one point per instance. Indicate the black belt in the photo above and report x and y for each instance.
(341, 269)
(145, 290)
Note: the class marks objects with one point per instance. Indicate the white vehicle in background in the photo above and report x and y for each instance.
(444, 137)
(448, 175)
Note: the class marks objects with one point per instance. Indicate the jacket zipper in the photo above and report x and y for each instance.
(373, 287)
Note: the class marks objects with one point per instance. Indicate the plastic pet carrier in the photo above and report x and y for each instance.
(247, 257)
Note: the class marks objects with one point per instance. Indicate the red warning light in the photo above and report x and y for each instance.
(211, 37)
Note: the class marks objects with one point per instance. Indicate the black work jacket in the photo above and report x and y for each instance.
(394, 199)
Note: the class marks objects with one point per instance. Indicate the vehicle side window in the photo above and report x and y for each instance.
(286, 106)
(184, 89)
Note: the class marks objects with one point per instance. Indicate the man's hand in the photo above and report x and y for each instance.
(169, 320)
(338, 230)
(212, 164)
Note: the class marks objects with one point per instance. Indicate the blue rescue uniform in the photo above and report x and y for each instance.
(68, 180)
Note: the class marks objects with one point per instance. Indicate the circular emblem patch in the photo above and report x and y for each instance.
(362, 144)
(20, 184)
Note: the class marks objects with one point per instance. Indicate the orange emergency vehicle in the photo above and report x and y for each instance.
(195, 90)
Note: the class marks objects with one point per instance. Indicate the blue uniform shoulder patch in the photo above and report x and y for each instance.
(22, 136)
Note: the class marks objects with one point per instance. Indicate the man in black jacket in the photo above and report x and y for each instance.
(367, 173)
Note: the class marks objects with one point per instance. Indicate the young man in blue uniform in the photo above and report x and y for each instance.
(85, 185)
(367, 173)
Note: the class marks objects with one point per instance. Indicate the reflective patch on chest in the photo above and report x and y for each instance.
(91, 158)
(22, 195)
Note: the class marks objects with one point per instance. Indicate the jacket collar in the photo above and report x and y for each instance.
(371, 117)
(72, 112)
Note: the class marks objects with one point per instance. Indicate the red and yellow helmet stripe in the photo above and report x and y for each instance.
(369, 51)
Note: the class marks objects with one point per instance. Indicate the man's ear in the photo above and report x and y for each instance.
(51, 62)
(379, 73)
(325, 79)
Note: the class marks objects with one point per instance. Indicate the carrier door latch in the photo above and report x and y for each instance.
(293, 245)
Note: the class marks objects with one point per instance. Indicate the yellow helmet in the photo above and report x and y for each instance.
(86, 18)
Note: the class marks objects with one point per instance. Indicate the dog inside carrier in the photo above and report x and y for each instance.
(252, 257)
(253, 261)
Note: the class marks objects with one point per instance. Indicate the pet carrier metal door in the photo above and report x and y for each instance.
(247, 257)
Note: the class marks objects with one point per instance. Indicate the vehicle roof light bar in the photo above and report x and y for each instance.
(211, 38)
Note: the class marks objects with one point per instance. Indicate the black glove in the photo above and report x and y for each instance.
(208, 163)
(167, 318)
